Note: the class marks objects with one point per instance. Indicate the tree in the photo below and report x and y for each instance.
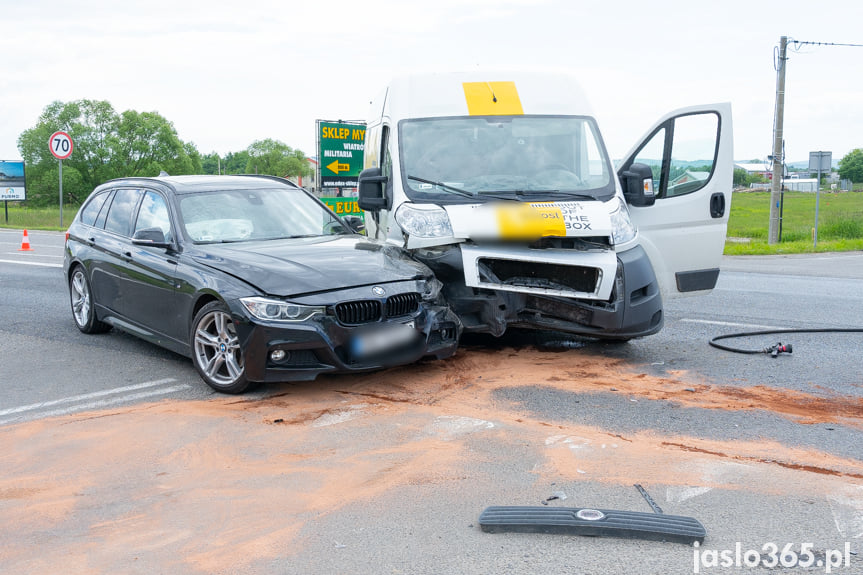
(146, 143)
(212, 164)
(851, 166)
(107, 145)
(235, 162)
(90, 124)
(277, 159)
(741, 178)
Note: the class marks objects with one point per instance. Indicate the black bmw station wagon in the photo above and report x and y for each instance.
(252, 277)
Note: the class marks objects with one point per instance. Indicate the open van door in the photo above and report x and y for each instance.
(682, 210)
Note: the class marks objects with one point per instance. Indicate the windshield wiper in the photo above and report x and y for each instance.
(294, 237)
(443, 186)
(506, 195)
(556, 194)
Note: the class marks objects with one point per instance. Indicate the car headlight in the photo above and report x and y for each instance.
(622, 230)
(424, 221)
(277, 310)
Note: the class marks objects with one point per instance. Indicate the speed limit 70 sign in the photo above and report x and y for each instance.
(60, 145)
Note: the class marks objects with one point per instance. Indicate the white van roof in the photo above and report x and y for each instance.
(483, 93)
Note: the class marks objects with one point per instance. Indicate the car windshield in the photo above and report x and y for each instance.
(483, 157)
(252, 215)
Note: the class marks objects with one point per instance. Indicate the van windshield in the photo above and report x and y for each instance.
(482, 157)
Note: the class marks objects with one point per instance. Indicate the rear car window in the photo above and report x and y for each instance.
(91, 210)
(120, 214)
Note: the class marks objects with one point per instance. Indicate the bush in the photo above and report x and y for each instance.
(841, 226)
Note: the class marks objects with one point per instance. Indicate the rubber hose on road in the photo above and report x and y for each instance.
(772, 332)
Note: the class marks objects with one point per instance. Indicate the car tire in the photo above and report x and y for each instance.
(83, 305)
(216, 350)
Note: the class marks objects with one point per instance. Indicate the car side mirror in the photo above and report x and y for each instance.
(356, 223)
(371, 196)
(637, 183)
(153, 237)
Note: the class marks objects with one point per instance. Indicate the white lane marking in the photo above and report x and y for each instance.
(83, 397)
(447, 427)
(847, 509)
(44, 265)
(731, 324)
(341, 416)
(680, 493)
(94, 404)
(572, 441)
(30, 255)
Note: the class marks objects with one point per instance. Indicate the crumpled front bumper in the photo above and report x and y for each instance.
(323, 345)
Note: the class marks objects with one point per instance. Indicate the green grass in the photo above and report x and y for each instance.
(36, 218)
(840, 222)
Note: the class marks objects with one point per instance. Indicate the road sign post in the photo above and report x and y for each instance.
(818, 162)
(60, 145)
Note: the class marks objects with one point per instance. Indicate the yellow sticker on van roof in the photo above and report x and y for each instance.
(492, 99)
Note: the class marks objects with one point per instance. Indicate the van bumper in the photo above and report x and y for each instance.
(634, 308)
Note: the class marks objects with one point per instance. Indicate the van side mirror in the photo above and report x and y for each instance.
(637, 183)
(371, 197)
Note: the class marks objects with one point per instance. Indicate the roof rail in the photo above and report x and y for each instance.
(269, 177)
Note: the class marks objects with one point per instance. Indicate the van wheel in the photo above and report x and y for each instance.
(216, 350)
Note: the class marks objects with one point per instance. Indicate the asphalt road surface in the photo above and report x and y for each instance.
(117, 458)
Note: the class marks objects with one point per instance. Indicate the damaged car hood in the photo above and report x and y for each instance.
(293, 267)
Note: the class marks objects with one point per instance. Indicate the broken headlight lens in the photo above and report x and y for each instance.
(622, 229)
(277, 310)
(424, 221)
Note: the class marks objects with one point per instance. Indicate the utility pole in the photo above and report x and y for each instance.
(778, 160)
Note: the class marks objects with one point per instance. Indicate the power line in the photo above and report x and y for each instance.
(798, 43)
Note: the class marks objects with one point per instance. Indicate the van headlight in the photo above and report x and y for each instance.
(622, 230)
(277, 310)
(424, 221)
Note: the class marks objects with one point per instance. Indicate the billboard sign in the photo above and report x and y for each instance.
(12, 181)
(340, 151)
(343, 206)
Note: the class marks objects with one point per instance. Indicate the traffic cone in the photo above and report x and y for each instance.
(25, 243)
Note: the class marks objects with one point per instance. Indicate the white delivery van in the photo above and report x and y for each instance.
(502, 184)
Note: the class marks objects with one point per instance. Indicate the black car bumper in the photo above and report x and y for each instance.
(323, 345)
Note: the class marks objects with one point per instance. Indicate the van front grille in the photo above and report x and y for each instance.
(539, 275)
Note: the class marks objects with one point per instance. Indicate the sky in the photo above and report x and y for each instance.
(229, 73)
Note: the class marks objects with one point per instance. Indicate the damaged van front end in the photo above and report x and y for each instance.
(540, 265)
(520, 215)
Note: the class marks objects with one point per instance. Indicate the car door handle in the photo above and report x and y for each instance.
(717, 205)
